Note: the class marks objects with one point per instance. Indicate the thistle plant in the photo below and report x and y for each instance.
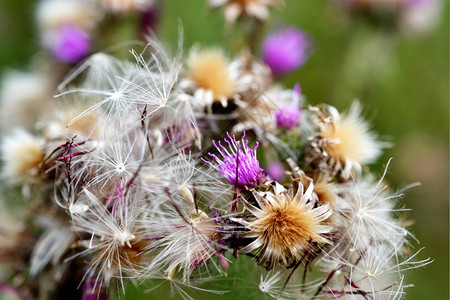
(150, 168)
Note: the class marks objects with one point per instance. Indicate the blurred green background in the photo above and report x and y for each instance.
(401, 80)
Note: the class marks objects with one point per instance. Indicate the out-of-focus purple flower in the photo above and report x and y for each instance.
(285, 50)
(275, 170)
(71, 44)
(150, 18)
(288, 115)
(239, 163)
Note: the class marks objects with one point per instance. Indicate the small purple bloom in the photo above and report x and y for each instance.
(288, 115)
(150, 19)
(71, 44)
(286, 50)
(239, 164)
(276, 171)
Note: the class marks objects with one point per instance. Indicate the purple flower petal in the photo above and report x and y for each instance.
(286, 50)
(276, 171)
(288, 115)
(239, 164)
(71, 45)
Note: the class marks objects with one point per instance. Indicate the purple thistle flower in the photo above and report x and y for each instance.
(239, 164)
(276, 171)
(285, 51)
(71, 44)
(288, 115)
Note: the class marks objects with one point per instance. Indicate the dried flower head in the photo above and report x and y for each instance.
(122, 6)
(21, 154)
(71, 112)
(135, 94)
(345, 141)
(113, 241)
(208, 70)
(374, 272)
(367, 213)
(186, 236)
(253, 78)
(233, 9)
(325, 190)
(284, 225)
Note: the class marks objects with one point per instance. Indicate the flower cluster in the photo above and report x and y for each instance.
(149, 169)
